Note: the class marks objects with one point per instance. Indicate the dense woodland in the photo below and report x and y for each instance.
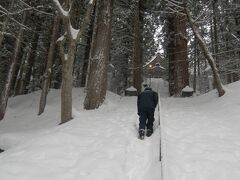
(103, 45)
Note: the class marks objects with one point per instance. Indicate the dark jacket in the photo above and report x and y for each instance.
(147, 99)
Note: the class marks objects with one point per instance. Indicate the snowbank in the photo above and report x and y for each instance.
(202, 135)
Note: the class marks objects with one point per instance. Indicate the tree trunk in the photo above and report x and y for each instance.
(86, 55)
(99, 56)
(47, 73)
(137, 51)
(26, 78)
(215, 32)
(170, 54)
(67, 80)
(68, 44)
(6, 91)
(177, 49)
(236, 76)
(195, 66)
(181, 59)
(207, 54)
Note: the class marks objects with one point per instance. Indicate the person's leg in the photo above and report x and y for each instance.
(142, 123)
(142, 119)
(150, 117)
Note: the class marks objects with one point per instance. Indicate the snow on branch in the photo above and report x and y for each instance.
(60, 9)
(74, 32)
(177, 2)
(232, 34)
(70, 32)
(175, 11)
(61, 38)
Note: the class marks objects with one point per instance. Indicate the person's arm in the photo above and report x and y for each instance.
(155, 99)
(138, 101)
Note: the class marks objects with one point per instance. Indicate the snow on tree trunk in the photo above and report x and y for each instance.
(206, 53)
(67, 46)
(99, 56)
(47, 74)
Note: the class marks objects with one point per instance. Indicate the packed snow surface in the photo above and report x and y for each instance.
(97, 144)
(200, 139)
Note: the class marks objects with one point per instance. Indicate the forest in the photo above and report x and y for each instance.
(104, 45)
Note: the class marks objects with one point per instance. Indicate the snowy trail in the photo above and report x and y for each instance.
(99, 144)
(200, 139)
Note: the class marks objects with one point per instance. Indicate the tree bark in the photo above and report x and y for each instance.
(67, 46)
(195, 66)
(86, 55)
(181, 59)
(48, 71)
(215, 32)
(170, 54)
(206, 53)
(67, 80)
(99, 56)
(177, 53)
(137, 51)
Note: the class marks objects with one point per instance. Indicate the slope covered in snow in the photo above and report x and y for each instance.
(99, 144)
(200, 139)
(202, 136)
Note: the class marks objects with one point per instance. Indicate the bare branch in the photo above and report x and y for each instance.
(174, 4)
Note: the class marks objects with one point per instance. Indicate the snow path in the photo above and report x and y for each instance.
(202, 137)
(97, 145)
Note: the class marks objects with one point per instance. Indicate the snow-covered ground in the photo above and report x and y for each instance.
(96, 145)
(200, 139)
(201, 136)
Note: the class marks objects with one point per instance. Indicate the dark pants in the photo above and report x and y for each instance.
(146, 118)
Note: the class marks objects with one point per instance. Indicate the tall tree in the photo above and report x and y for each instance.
(207, 54)
(177, 49)
(99, 56)
(48, 69)
(121, 46)
(137, 49)
(69, 40)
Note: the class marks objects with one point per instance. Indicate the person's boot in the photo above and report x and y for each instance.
(149, 132)
(141, 133)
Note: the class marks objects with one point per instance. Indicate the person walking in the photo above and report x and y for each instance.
(146, 103)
